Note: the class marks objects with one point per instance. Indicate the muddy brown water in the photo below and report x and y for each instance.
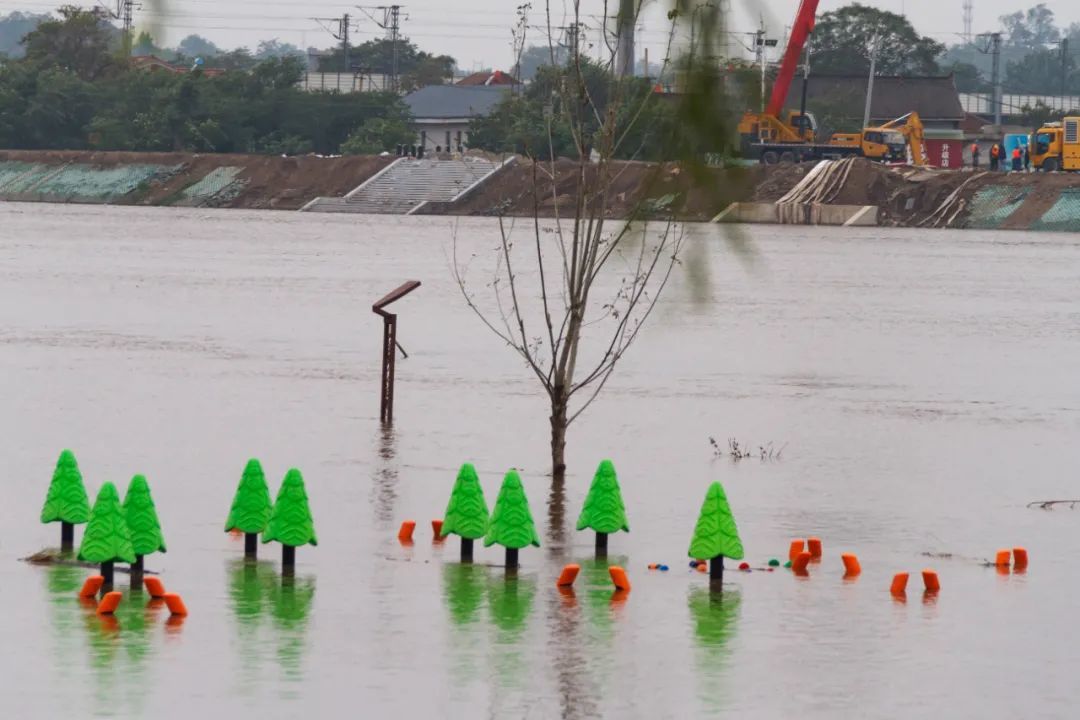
(922, 383)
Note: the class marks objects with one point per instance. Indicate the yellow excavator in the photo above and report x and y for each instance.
(888, 142)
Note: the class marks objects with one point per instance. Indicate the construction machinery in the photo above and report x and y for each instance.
(1056, 146)
(774, 137)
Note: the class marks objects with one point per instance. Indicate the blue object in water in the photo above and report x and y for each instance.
(663, 568)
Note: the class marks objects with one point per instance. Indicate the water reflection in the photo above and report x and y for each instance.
(715, 617)
(384, 487)
(568, 655)
(257, 593)
(464, 587)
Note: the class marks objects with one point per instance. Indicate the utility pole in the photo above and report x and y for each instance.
(391, 23)
(124, 12)
(993, 47)
(760, 45)
(1064, 66)
(624, 62)
(969, 19)
(874, 43)
(343, 31)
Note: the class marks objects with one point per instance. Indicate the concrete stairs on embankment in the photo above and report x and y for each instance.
(407, 184)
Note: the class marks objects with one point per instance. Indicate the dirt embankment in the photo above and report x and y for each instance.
(910, 196)
(263, 181)
(552, 189)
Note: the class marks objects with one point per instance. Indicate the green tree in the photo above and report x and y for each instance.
(467, 512)
(142, 519)
(66, 500)
(511, 524)
(1030, 29)
(378, 135)
(107, 539)
(967, 77)
(145, 45)
(842, 41)
(80, 42)
(291, 523)
(194, 46)
(604, 511)
(251, 506)
(268, 49)
(715, 534)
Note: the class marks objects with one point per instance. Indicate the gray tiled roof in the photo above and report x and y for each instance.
(439, 102)
(934, 98)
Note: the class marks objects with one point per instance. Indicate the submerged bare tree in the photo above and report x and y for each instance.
(583, 276)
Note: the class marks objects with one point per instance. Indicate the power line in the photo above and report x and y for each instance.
(391, 23)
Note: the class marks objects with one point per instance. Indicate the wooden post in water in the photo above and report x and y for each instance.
(386, 403)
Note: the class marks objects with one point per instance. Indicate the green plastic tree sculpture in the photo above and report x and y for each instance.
(511, 523)
(604, 512)
(467, 511)
(142, 521)
(715, 535)
(251, 507)
(291, 523)
(66, 502)
(107, 539)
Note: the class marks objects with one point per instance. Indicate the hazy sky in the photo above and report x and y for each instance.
(477, 32)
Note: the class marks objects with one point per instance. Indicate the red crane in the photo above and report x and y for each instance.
(800, 31)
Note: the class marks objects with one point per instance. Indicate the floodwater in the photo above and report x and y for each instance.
(922, 384)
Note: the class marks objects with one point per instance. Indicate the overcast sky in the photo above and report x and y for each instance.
(477, 32)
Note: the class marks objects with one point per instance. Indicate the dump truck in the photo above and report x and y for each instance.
(1056, 146)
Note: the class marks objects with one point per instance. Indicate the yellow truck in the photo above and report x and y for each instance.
(1057, 146)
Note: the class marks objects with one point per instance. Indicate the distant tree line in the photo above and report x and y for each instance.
(72, 89)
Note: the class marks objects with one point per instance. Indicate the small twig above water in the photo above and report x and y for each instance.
(742, 451)
(1050, 504)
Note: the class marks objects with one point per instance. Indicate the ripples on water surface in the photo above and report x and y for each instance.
(924, 385)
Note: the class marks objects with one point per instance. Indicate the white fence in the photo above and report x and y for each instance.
(983, 103)
(344, 82)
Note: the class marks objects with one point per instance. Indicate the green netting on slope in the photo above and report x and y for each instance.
(219, 185)
(1064, 216)
(18, 177)
(89, 183)
(993, 205)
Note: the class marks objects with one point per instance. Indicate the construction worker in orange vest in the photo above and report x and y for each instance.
(1017, 159)
(995, 154)
(975, 155)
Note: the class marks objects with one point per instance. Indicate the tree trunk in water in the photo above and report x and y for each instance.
(107, 574)
(67, 537)
(558, 437)
(137, 573)
(511, 559)
(251, 545)
(466, 550)
(716, 572)
(288, 559)
(601, 545)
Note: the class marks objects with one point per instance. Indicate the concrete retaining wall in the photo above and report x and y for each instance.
(802, 214)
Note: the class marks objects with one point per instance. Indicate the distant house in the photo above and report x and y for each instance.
(152, 63)
(488, 79)
(442, 113)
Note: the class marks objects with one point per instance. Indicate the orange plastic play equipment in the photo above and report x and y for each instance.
(406, 531)
(175, 604)
(899, 584)
(930, 581)
(568, 575)
(109, 603)
(797, 546)
(1003, 558)
(702, 567)
(851, 565)
(91, 587)
(154, 586)
(800, 563)
(1020, 558)
(814, 546)
(618, 576)
(436, 528)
